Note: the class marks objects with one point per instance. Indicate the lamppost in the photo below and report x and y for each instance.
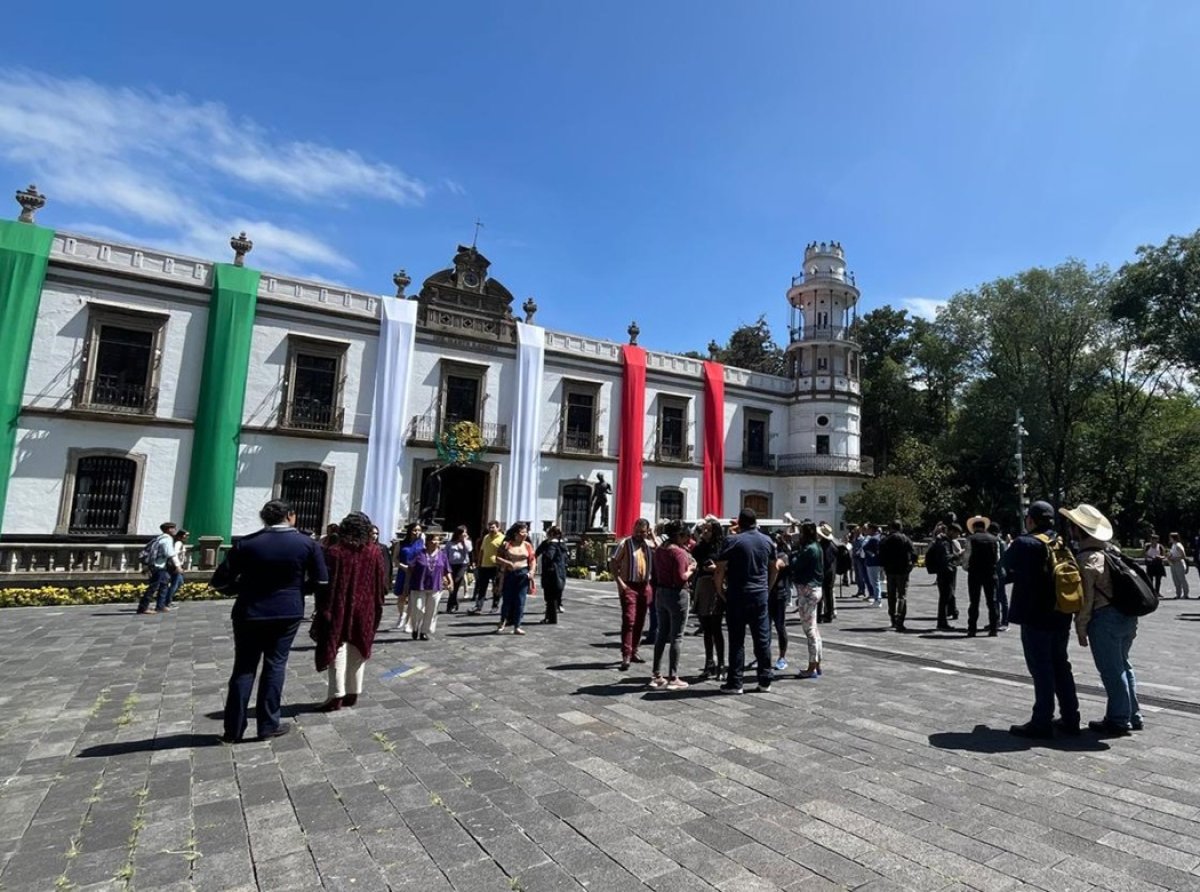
(1022, 498)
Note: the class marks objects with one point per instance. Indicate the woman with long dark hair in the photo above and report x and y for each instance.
(349, 610)
(709, 602)
(458, 550)
(409, 547)
(517, 563)
(552, 553)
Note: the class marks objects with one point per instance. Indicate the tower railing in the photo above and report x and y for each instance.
(823, 333)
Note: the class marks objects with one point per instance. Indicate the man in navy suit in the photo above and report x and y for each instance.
(269, 571)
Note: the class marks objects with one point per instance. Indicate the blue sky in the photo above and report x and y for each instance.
(662, 161)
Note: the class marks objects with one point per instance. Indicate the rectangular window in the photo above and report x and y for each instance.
(306, 489)
(822, 500)
(462, 399)
(670, 504)
(757, 435)
(121, 361)
(822, 444)
(103, 498)
(576, 504)
(315, 381)
(758, 502)
(579, 417)
(672, 430)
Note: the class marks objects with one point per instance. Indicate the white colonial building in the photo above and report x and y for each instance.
(127, 378)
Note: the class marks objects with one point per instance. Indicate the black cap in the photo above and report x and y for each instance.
(1043, 512)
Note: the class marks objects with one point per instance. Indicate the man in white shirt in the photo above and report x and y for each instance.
(161, 553)
(1177, 558)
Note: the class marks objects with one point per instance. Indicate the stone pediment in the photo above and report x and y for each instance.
(465, 302)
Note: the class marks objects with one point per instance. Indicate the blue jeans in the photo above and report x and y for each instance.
(873, 571)
(1002, 599)
(742, 612)
(512, 598)
(269, 640)
(1110, 635)
(156, 590)
(1046, 656)
(861, 576)
(172, 589)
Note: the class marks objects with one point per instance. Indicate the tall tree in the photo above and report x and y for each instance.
(1160, 294)
(753, 347)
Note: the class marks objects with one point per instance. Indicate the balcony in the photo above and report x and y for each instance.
(803, 464)
(307, 414)
(425, 430)
(580, 442)
(823, 333)
(109, 393)
(758, 461)
(673, 452)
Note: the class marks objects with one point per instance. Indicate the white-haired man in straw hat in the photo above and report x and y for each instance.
(1103, 627)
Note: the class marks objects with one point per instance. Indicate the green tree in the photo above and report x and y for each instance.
(752, 347)
(1159, 293)
(885, 499)
(926, 466)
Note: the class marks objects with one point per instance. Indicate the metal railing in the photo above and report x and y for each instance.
(426, 428)
(804, 463)
(752, 461)
(585, 442)
(306, 414)
(110, 393)
(673, 452)
(824, 333)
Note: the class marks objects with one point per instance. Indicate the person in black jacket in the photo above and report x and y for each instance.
(552, 558)
(1045, 632)
(980, 557)
(829, 547)
(270, 571)
(897, 557)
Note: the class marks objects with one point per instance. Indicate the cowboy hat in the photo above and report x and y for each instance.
(978, 518)
(1089, 519)
(825, 531)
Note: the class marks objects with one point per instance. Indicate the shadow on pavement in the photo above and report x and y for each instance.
(1189, 617)
(573, 667)
(154, 744)
(868, 629)
(615, 689)
(997, 740)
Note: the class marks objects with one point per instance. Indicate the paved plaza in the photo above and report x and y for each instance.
(481, 762)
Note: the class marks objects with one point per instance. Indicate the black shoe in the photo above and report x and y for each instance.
(474, 611)
(992, 633)
(636, 659)
(945, 627)
(424, 637)
(708, 672)
(230, 739)
(971, 633)
(764, 688)
(416, 635)
(624, 667)
(1068, 728)
(1136, 726)
(349, 699)
(728, 688)
(1032, 732)
(278, 732)
(899, 627)
(1106, 728)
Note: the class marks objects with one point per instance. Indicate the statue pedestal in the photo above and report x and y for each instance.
(595, 546)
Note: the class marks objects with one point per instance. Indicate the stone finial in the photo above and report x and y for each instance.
(241, 247)
(714, 350)
(401, 280)
(530, 307)
(634, 331)
(31, 201)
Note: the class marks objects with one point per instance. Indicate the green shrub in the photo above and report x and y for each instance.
(117, 593)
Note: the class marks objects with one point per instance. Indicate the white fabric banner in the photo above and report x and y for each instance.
(526, 456)
(389, 418)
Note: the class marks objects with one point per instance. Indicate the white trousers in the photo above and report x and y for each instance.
(1179, 577)
(423, 610)
(346, 672)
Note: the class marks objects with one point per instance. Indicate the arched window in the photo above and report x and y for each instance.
(575, 499)
(306, 488)
(670, 503)
(102, 502)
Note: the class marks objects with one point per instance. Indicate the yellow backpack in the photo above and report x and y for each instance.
(1068, 584)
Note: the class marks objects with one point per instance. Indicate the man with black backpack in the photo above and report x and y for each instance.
(1045, 628)
(1115, 592)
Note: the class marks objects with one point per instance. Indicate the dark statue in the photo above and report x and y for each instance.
(601, 490)
(431, 498)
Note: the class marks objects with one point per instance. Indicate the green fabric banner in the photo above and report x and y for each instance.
(24, 253)
(218, 427)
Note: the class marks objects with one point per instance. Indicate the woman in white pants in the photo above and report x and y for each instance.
(349, 610)
(1178, 560)
(427, 579)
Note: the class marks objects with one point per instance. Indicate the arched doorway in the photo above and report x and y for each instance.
(464, 497)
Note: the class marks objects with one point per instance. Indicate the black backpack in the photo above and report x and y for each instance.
(1132, 593)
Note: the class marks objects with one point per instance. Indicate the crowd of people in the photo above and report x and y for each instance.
(733, 578)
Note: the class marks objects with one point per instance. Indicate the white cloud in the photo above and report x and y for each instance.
(925, 307)
(454, 187)
(165, 161)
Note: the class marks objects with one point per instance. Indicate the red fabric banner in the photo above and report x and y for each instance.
(633, 433)
(713, 489)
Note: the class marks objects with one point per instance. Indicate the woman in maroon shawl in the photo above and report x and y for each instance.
(349, 610)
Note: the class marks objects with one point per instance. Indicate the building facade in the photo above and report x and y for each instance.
(115, 395)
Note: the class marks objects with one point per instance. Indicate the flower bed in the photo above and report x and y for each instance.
(124, 592)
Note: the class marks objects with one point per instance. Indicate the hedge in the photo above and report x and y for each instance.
(124, 592)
